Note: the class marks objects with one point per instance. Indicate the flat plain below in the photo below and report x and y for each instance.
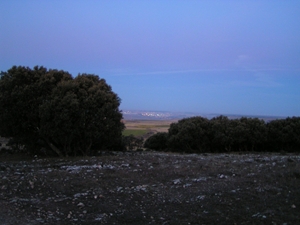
(144, 126)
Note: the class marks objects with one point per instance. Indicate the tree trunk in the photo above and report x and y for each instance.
(54, 148)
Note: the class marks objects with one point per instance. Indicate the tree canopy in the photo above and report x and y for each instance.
(221, 134)
(49, 109)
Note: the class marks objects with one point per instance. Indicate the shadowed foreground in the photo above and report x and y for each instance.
(152, 188)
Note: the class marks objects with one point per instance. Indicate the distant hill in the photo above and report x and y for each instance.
(167, 115)
(154, 115)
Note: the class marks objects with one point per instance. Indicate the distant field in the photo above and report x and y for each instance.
(141, 127)
(128, 132)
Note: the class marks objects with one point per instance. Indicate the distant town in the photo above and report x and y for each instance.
(134, 114)
(167, 115)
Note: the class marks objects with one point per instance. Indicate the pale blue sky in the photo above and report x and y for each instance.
(228, 57)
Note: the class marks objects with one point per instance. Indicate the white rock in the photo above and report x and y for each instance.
(177, 181)
(80, 204)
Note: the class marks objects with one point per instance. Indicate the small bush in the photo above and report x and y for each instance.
(157, 141)
(131, 142)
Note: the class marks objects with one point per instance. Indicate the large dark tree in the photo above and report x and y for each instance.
(22, 91)
(50, 109)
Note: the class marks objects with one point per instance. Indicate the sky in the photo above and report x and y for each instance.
(224, 57)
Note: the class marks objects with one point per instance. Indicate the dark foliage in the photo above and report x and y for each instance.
(50, 110)
(157, 141)
(131, 142)
(220, 134)
(190, 135)
(284, 135)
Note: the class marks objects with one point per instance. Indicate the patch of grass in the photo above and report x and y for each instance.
(151, 126)
(134, 132)
(145, 126)
(157, 125)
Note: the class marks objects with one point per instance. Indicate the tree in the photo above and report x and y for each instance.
(50, 109)
(157, 141)
(221, 129)
(190, 135)
(22, 91)
(284, 134)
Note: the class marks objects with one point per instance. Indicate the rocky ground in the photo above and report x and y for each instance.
(151, 188)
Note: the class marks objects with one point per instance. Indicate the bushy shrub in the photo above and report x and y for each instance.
(157, 141)
(220, 134)
(131, 142)
(284, 135)
(189, 135)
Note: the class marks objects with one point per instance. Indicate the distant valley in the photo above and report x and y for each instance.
(168, 115)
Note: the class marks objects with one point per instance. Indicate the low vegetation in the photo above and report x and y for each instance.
(128, 132)
(220, 134)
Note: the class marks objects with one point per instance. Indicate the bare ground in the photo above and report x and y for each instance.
(152, 188)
